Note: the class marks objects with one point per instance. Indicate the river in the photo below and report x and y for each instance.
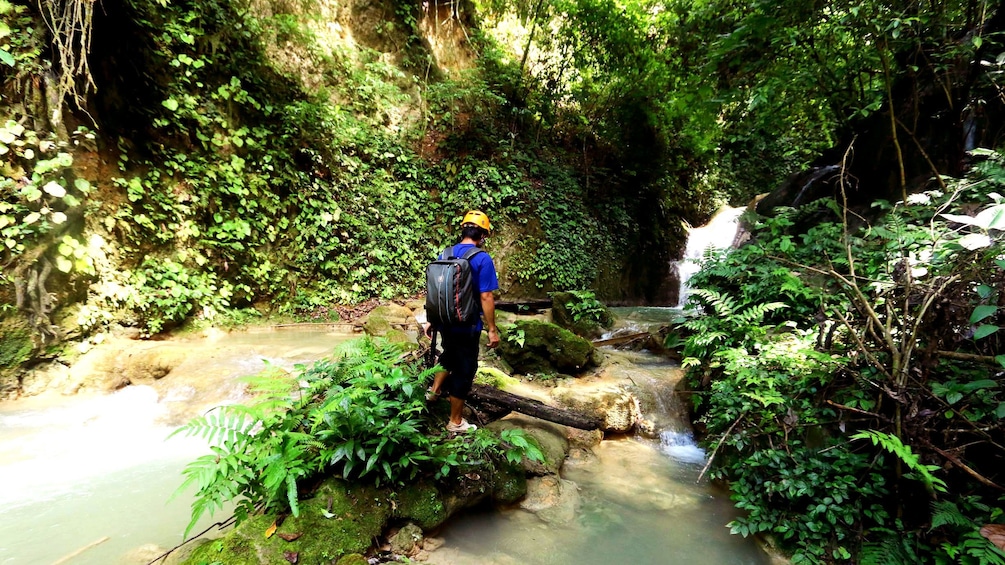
(87, 479)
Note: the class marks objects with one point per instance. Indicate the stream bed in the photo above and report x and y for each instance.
(87, 479)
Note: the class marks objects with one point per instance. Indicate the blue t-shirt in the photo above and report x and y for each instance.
(483, 272)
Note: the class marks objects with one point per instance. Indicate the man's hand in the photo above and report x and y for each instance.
(493, 338)
(427, 329)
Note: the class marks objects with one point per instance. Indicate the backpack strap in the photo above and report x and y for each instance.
(471, 253)
(448, 253)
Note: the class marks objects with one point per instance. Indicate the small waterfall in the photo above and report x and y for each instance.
(719, 233)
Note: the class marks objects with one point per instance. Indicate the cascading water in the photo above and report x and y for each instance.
(719, 233)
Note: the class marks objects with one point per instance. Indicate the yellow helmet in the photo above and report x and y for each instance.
(477, 218)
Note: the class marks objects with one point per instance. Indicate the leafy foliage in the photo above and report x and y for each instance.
(879, 342)
(360, 415)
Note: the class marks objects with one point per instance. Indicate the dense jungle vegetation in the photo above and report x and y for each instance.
(170, 161)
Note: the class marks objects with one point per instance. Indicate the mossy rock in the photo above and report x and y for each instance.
(353, 559)
(16, 347)
(562, 308)
(358, 513)
(383, 319)
(509, 484)
(549, 437)
(539, 347)
(423, 504)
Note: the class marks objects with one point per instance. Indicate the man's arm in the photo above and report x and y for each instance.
(489, 312)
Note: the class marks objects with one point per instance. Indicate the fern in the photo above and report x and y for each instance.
(892, 550)
(893, 444)
(947, 513)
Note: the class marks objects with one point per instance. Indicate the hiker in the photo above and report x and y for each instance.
(460, 340)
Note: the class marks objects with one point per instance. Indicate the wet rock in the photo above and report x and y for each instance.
(539, 347)
(407, 540)
(615, 406)
(552, 499)
(53, 376)
(549, 437)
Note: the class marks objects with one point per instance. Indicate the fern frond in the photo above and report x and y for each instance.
(947, 513)
(222, 424)
(756, 312)
(890, 551)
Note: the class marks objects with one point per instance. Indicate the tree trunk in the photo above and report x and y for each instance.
(496, 403)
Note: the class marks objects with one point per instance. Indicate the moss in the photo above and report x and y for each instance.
(16, 345)
(423, 504)
(509, 483)
(545, 348)
(340, 519)
(353, 559)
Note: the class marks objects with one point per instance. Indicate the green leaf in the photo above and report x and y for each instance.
(1000, 411)
(6, 57)
(981, 312)
(984, 291)
(170, 104)
(1000, 359)
(1000, 263)
(984, 331)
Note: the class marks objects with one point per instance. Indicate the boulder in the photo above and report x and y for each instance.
(568, 311)
(551, 438)
(553, 499)
(407, 540)
(539, 347)
(386, 317)
(616, 407)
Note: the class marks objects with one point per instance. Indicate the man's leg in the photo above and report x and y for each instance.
(438, 379)
(456, 410)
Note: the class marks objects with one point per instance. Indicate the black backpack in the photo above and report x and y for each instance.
(451, 298)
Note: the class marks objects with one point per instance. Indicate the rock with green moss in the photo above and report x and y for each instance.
(353, 559)
(539, 347)
(15, 348)
(581, 313)
(338, 520)
(509, 484)
(550, 438)
(342, 519)
(383, 319)
(421, 503)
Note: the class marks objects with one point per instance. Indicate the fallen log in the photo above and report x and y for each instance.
(523, 306)
(490, 400)
(622, 339)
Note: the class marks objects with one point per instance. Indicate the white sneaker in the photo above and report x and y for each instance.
(460, 428)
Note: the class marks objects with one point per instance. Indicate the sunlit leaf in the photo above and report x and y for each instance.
(271, 530)
(975, 241)
(170, 104)
(992, 218)
(960, 219)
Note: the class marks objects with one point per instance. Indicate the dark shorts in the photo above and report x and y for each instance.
(460, 359)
